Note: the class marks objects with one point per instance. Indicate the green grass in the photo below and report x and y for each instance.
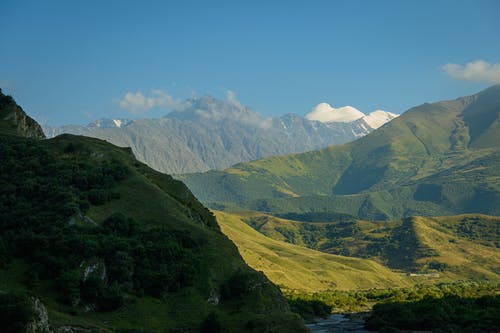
(455, 247)
(294, 267)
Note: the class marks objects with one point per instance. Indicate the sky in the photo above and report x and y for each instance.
(76, 61)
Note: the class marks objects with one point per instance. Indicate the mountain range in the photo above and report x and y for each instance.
(208, 134)
(435, 159)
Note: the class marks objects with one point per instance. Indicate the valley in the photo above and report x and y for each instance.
(249, 166)
(405, 213)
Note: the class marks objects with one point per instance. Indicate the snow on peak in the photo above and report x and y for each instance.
(378, 118)
(325, 113)
(117, 122)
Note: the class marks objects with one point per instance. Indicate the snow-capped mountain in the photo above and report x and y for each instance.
(325, 113)
(214, 134)
(378, 118)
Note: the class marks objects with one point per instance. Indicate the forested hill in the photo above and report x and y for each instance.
(435, 159)
(99, 241)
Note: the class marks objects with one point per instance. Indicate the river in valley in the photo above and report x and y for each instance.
(338, 323)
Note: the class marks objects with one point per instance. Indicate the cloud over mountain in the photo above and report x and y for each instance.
(325, 113)
(478, 71)
(138, 102)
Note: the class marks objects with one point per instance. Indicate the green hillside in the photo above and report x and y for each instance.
(435, 159)
(455, 247)
(301, 269)
(103, 243)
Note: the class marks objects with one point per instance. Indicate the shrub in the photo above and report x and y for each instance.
(16, 311)
(211, 324)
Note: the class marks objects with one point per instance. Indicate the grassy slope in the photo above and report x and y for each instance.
(468, 253)
(457, 247)
(436, 159)
(152, 199)
(299, 268)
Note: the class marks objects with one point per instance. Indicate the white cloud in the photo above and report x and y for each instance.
(325, 113)
(139, 102)
(479, 71)
(231, 98)
(245, 115)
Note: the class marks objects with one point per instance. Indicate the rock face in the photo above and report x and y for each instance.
(16, 119)
(40, 322)
(213, 134)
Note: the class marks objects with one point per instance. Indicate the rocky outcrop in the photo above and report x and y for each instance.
(40, 321)
(15, 121)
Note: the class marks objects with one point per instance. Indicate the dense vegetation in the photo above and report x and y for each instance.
(15, 311)
(90, 263)
(435, 159)
(362, 300)
(309, 309)
(453, 307)
(449, 313)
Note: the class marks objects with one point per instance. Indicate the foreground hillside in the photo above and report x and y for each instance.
(208, 133)
(96, 240)
(435, 159)
(432, 248)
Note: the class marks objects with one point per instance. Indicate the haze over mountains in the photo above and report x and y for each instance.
(212, 134)
(435, 159)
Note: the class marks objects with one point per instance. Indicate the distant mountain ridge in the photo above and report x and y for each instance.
(214, 134)
(53, 131)
(435, 159)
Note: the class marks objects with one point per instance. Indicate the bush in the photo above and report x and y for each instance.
(211, 324)
(448, 313)
(16, 311)
(237, 285)
(69, 286)
(309, 309)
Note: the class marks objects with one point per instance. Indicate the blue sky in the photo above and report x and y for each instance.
(74, 61)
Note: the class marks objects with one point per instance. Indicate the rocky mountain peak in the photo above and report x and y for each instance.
(13, 119)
